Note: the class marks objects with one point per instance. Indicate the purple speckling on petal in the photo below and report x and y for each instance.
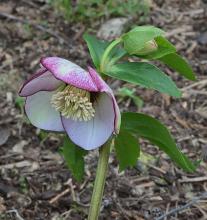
(69, 72)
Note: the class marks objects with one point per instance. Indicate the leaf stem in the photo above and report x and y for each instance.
(107, 51)
(99, 184)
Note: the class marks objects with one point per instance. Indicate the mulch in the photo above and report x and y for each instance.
(34, 181)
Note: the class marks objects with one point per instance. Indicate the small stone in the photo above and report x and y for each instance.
(4, 135)
(113, 28)
(107, 203)
(18, 148)
(202, 38)
(9, 97)
(2, 206)
(204, 153)
(156, 212)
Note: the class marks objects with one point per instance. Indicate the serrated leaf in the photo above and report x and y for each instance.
(144, 74)
(127, 150)
(135, 39)
(97, 47)
(147, 127)
(176, 62)
(164, 48)
(74, 157)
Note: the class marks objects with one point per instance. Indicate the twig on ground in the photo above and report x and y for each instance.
(176, 12)
(37, 26)
(193, 180)
(201, 84)
(79, 33)
(146, 185)
(72, 190)
(67, 214)
(57, 197)
(16, 213)
(63, 193)
(167, 210)
(193, 92)
(178, 31)
(181, 208)
(30, 3)
(202, 211)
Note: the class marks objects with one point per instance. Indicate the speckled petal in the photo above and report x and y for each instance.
(43, 80)
(103, 87)
(40, 112)
(69, 72)
(94, 133)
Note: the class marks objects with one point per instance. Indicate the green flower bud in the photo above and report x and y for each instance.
(141, 40)
(149, 47)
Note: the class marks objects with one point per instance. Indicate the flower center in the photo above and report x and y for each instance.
(73, 103)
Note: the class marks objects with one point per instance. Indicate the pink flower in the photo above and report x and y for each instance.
(62, 96)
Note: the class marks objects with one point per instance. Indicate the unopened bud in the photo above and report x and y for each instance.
(149, 47)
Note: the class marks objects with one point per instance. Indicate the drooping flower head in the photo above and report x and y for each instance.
(62, 96)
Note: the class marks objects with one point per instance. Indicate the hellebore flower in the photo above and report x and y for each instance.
(62, 96)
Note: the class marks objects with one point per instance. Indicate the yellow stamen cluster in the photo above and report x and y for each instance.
(73, 103)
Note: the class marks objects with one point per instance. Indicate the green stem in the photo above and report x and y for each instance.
(104, 152)
(99, 184)
(107, 51)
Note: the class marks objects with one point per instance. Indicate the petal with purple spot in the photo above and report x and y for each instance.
(43, 80)
(41, 113)
(103, 87)
(94, 133)
(69, 72)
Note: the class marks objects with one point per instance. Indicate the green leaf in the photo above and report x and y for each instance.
(176, 62)
(127, 150)
(97, 47)
(135, 39)
(164, 48)
(151, 129)
(125, 92)
(115, 54)
(43, 135)
(144, 74)
(138, 101)
(19, 102)
(74, 157)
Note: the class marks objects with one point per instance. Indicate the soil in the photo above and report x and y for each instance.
(34, 181)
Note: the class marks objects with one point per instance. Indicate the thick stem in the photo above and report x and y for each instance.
(99, 184)
(107, 51)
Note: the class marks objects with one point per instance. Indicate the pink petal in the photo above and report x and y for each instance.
(69, 72)
(94, 133)
(43, 80)
(103, 87)
(40, 112)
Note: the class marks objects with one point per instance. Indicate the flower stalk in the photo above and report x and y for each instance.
(106, 53)
(99, 184)
(104, 153)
